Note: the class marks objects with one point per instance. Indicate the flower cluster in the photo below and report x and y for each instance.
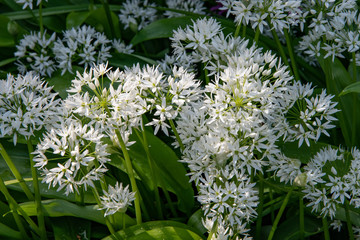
(29, 3)
(78, 156)
(137, 14)
(195, 6)
(34, 54)
(26, 106)
(82, 45)
(117, 199)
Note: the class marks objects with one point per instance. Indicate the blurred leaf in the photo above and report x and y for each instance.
(337, 78)
(196, 223)
(171, 171)
(123, 60)
(54, 23)
(6, 39)
(354, 215)
(8, 233)
(61, 83)
(61, 208)
(157, 230)
(98, 19)
(7, 61)
(70, 228)
(75, 19)
(352, 88)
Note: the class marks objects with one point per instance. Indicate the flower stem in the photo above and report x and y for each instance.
(355, 107)
(260, 209)
(17, 208)
(39, 207)
(291, 53)
(237, 31)
(176, 134)
(41, 19)
(348, 220)
(302, 222)
(13, 207)
(278, 216)
(16, 173)
(213, 230)
(206, 73)
(279, 45)
(131, 175)
(152, 172)
(243, 35)
(257, 34)
(109, 18)
(325, 228)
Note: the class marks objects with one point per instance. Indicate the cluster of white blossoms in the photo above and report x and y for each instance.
(29, 3)
(81, 46)
(27, 105)
(277, 15)
(194, 6)
(34, 54)
(333, 28)
(117, 199)
(122, 47)
(137, 14)
(77, 159)
(233, 130)
(332, 178)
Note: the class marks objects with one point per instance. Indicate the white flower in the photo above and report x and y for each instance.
(195, 6)
(117, 199)
(137, 13)
(29, 3)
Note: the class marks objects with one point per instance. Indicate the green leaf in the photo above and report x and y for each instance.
(7, 61)
(196, 222)
(61, 208)
(6, 39)
(8, 233)
(162, 28)
(337, 78)
(157, 230)
(352, 88)
(123, 60)
(54, 23)
(61, 83)
(98, 19)
(70, 228)
(75, 19)
(169, 169)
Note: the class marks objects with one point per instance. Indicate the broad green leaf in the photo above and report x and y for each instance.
(54, 23)
(8, 233)
(168, 169)
(98, 19)
(75, 19)
(61, 208)
(290, 229)
(61, 83)
(70, 228)
(162, 28)
(157, 230)
(337, 78)
(354, 215)
(6, 39)
(24, 14)
(195, 221)
(7, 61)
(352, 88)
(123, 60)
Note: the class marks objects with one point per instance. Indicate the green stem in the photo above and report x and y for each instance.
(291, 53)
(278, 216)
(16, 173)
(206, 73)
(17, 208)
(109, 18)
(243, 35)
(39, 207)
(260, 209)
(107, 222)
(348, 220)
(176, 134)
(131, 175)
(271, 206)
(237, 31)
(213, 230)
(41, 19)
(325, 228)
(279, 45)
(152, 172)
(355, 107)
(257, 34)
(14, 212)
(302, 221)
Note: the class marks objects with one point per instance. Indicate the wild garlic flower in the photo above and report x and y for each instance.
(121, 47)
(77, 156)
(137, 14)
(194, 6)
(260, 13)
(309, 116)
(336, 225)
(285, 168)
(34, 54)
(83, 46)
(331, 28)
(332, 177)
(26, 105)
(29, 3)
(204, 42)
(229, 199)
(116, 199)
